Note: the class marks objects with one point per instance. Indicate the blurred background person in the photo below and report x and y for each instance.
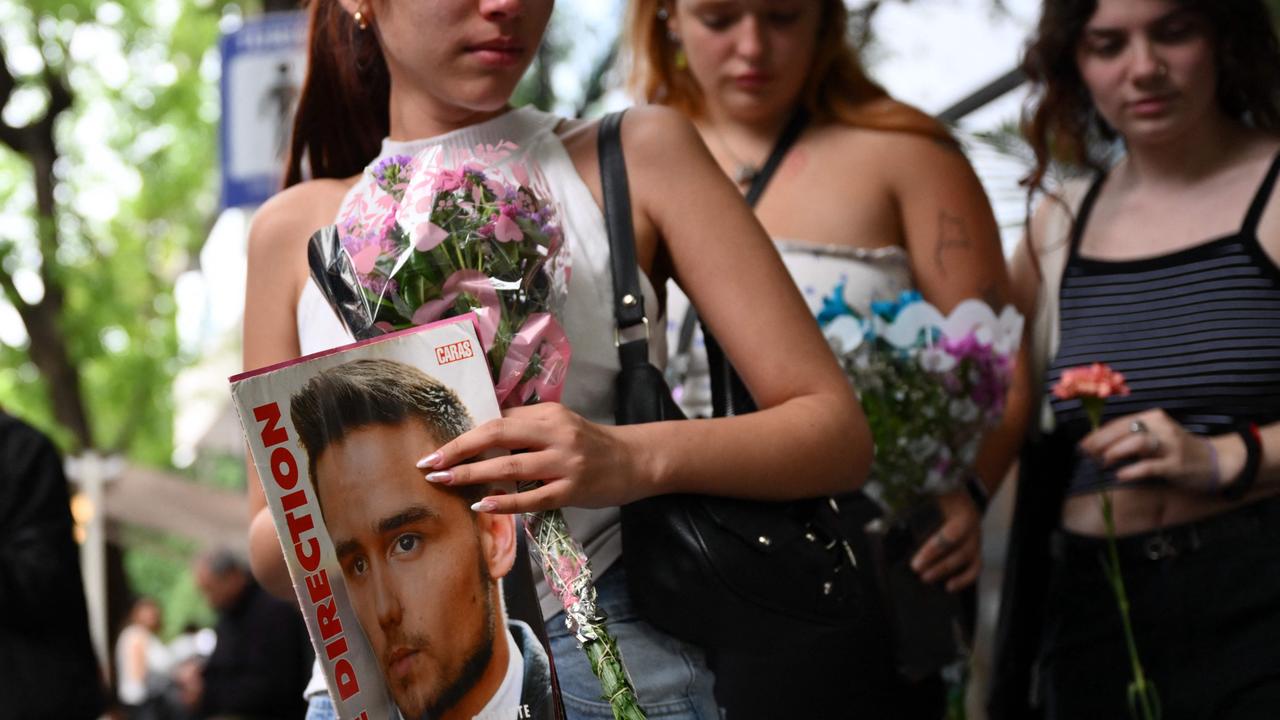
(262, 658)
(875, 197)
(47, 665)
(143, 664)
(1165, 266)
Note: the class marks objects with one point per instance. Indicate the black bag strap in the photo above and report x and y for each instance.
(628, 300)
(729, 395)
(790, 133)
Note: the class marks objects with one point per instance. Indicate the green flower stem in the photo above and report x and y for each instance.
(1144, 702)
(607, 665)
(564, 563)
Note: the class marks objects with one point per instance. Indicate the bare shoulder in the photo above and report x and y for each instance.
(909, 158)
(657, 128)
(278, 236)
(654, 139)
(1055, 213)
(289, 218)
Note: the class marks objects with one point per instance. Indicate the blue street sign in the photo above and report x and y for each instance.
(263, 65)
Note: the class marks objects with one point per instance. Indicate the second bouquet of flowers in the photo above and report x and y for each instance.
(930, 385)
(476, 230)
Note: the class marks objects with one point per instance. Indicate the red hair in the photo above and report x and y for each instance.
(837, 89)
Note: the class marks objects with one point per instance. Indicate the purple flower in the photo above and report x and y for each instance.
(392, 173)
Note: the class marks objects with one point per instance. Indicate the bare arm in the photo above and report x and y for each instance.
(954, 245)
(726, 264)
(809, 438)
(135, 658)
(277, 270)
(953, 242)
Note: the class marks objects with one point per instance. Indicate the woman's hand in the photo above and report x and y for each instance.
(1156, 446)
(579, 463)
(954, 551)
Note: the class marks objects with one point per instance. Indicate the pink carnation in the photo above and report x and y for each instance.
(1090, 381)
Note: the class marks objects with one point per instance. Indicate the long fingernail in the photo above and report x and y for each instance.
(444, 477)
(485, 505)
(429, 461)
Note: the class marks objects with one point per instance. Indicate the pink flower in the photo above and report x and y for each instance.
(366, 259)
(449, 180)
(567, 569)
(427, 236)
(536, 363)
(1090, 381)
(483, 300)
(520, 173)
(506, 229)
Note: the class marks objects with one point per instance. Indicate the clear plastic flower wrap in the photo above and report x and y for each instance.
(456, 230)
(445, 232)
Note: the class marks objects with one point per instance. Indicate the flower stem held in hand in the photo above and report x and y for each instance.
(1144, 701)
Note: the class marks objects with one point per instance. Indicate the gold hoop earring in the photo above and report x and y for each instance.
(362, 22)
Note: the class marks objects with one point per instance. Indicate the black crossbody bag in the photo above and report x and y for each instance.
(715, 571)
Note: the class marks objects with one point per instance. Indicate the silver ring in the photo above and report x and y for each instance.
(1137, 426)
(943, 541)
(1154, 444)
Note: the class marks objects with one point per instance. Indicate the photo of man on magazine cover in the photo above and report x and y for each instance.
(422, 569)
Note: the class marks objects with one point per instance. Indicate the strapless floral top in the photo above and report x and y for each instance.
(861, 275)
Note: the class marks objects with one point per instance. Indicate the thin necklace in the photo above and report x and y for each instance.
(744, 173)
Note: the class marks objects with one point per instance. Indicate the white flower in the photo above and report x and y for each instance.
(844, 334)
(937, 360)
(935, 483)
(963, 410)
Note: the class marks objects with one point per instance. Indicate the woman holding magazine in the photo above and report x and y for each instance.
(873, 195)
(1165, 264)
(393, 77)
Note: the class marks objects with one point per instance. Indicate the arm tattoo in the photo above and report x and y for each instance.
(952, 235)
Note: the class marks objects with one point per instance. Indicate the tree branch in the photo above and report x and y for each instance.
(9, 287)
(49, 350)
(9, 135)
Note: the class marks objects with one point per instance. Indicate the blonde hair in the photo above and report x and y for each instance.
(837, 89)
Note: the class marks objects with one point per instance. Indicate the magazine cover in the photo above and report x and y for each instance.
(417, 606)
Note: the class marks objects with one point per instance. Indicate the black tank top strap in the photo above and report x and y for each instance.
(1259, 204)
(1082, 215)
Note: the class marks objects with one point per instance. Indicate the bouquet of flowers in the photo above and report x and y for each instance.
(929, 384)
(476, 230)
(427, 241)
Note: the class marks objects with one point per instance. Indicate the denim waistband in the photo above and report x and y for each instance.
(1232, 525)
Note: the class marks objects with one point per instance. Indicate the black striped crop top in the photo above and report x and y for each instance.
(1195, 332)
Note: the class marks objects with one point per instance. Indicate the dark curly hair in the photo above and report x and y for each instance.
(1061, 124)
